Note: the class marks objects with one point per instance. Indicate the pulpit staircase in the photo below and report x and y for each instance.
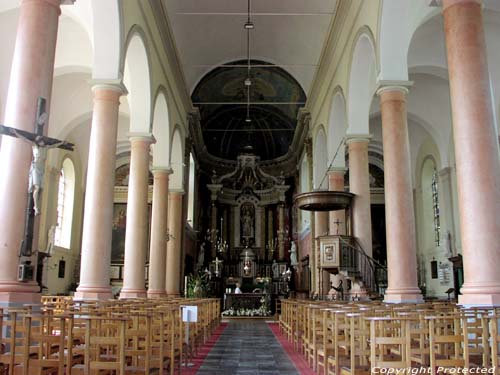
(356, 264)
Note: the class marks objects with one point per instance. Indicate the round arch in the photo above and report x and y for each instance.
(107, 28)
(177, 160)
(337, 129)
(137, 79)
(320, 159)
(161, 131)
(362, 83)
(398, 22)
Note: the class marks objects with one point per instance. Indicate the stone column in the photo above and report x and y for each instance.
(359, 184)
(281, 231)
(321, 229)
(336, 183)
(476, 150)
(174, 245)
(31, 77)
(136, 235)
(399, 211)
(337, 223)
(98, 213)
(159, 233)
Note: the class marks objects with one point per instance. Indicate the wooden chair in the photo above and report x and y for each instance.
(448, 341)
(495, 341)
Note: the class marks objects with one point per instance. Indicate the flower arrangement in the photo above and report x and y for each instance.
(247, 312)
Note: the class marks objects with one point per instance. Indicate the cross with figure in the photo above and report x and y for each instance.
(337, 222)
(39, 144)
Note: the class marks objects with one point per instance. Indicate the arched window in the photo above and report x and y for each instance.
(65, 199)
(435, 205)
(190, 213)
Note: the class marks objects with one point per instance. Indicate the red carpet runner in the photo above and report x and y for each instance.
(297, 359)
(204, 350)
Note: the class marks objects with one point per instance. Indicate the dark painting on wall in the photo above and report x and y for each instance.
(119, 226)
(118, 239)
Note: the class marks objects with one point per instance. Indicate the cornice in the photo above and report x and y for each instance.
(168, 43)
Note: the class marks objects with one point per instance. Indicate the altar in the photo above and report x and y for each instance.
(243, 301)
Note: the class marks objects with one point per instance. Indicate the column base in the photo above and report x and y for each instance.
(19, 293)
(156, 294)
(93, 294)
(132, 293)
(173, 294)
(479, 295)
(408, 295)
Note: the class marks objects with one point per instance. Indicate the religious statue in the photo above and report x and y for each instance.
(37, 168)
(275, 268)
(247, 222)
(51, 239)
(201, 256)
(293, 255)
(39, 144)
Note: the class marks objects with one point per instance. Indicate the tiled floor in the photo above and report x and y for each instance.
(247, 347)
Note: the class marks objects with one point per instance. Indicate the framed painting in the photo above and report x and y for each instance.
(114, 273)
(118, 236)
(118, 233)
(329, 248)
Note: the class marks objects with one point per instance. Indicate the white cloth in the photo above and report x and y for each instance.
(237, 290)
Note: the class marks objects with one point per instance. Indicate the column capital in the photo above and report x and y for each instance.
(336, 170)
(144, 137)
(180, 192)
(449, 3)
(109, 84)
(162, 170)
(388, 85)
(358, 138)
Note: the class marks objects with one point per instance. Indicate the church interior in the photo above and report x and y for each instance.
(310, 186)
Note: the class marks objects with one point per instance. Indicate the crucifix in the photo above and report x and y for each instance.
(39, 144)
(337, 222)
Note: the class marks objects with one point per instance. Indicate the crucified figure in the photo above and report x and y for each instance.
(39, 145)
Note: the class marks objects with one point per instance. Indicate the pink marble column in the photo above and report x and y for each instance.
(336, 183)
(399, 211)
(359, 184)
(99, 196)
(320, 229)
(476, 150)
(31, 77)
(159, 233)
(175, 225)
(136, 235)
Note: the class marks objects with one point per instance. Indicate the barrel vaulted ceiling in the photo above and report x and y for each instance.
(285, 47)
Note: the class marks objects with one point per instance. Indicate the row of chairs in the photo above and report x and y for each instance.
(137, 336)
(360, 338)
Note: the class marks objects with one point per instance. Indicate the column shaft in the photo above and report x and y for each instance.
(159, 229)
(31, 77)
(336, 183)
(476, 151)
(281, 231)
(399, 211)
(359, 184)
(98, 214)
(213, 229)
(320, 229)
(136, 235)
(174, 245)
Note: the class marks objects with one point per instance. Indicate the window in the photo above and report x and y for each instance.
(60, 208)
(65, 198)
(435, 206)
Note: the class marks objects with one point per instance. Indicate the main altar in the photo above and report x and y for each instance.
(247, 242)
